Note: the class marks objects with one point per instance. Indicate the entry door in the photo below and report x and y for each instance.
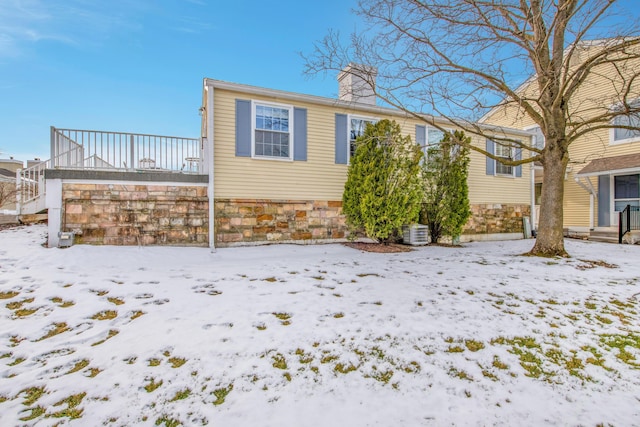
(626, 191)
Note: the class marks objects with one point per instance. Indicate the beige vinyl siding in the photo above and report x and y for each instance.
(485, 188)
(597, 93)
(319, 178)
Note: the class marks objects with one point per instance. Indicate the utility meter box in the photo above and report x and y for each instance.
(65, 239)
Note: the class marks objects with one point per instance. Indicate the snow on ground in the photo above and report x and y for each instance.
(317, 335)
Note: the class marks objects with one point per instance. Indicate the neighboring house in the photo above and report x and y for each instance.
(280, 163)
(603, 174)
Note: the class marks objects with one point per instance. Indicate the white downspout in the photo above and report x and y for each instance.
(210, 158)
(533, 197)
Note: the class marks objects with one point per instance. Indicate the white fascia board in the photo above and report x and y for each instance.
(610, 172)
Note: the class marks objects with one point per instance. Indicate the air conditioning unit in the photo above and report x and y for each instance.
(415, 234)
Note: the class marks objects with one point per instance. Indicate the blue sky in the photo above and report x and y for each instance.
(138, 65)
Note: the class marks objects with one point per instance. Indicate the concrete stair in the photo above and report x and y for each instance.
(606, 235)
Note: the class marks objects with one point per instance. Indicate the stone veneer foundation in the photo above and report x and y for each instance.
(496, 219)
(246, 221)
(136, 214)
(252, 221)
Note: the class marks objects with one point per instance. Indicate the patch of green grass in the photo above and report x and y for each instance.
(622, 305)
(115, 301)
(105, 315)
(176, 362)
(137, 314)
(71, 411)
(167, 421)
(153, 385)
(473, 345)
(14, 340)
(368, 274)
(603, 319)
(621, 342)
(344, 369)
(488, 374)
(58, 328)
(181, 395)
(32, 394)
(382, 376)
(304, 358)
(36, 412)
(590, 305)
(261, 326)
(285, 318)
(17, 361)
(328, 358)
(455, 349)
(412, 368)
(460, 374)
(270, 279)
(15, 305)
(221, 394)
(8, 294)
(112, 333)
(79, 365)
(378, 353)
(338, 315)
(279, 361)
(93, 372)
(61, 303)
(154, 362)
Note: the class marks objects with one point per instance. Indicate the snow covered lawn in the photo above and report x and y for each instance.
(317, 335)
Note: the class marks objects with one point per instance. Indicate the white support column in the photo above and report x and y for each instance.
(54, 205)
(591, 211)
(18, 191)
(210, 157)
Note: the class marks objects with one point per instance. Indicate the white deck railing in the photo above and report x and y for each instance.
(112, 151)
(89, 149)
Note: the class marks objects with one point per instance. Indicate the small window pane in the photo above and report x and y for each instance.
(627, 186)
(622, 134)
(272, 131)
(434, 136)
(620, 205)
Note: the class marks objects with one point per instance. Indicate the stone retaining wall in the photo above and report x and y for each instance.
(136, 214)
(239, 221)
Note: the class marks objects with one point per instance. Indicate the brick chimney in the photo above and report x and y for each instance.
(357, 83)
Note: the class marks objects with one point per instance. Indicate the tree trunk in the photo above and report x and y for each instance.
(550, 237)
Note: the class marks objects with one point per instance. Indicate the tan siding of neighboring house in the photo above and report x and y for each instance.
(598, 92)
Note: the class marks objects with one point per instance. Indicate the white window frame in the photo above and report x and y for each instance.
(612, 131)
(496, 162)
(254, 105)
(350, 117)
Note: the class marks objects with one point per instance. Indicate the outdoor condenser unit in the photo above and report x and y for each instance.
(415, 234)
